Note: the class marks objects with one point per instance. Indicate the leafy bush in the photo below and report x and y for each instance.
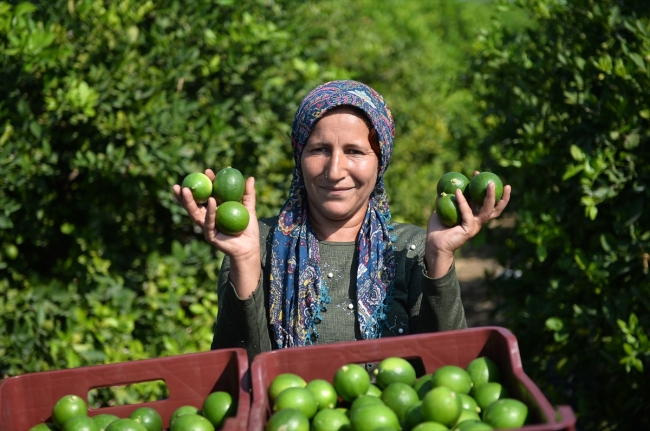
(105, 106)
(568, 114)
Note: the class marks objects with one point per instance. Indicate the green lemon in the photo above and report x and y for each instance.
(330, 420)
(200, 186)
(125, 424)
(191, 422)
(232, 218)
(452, 181)
(228, 185)
(467, 415)
(373, 417)
(506, 413)
(324, 393)
(366, 400)
(297, 398)
(66, 407)
(423, 385)
(430, 426)
(453, 377)
(148, 417)
(217, 407)
(282, 382)
(351, 381)
(399, 397)
(103, 420)
(483, 370)
(288, 420)
(80, 423)
(11, 251)
(478, 187)
(469, 403)
(43, 427)
(448, 211)
(183, 410)
(489, 393)
(473, 425)
(441, 405)
(374, 391)
(394, 370)
(413, 415)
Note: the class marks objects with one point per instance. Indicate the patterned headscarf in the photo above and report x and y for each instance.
(297, 294)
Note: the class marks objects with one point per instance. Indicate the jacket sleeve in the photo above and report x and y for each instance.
(240, 323)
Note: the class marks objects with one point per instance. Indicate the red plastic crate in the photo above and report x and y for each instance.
(27, 400)
(428, 351)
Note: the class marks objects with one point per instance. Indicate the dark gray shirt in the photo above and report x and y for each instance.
(420, 303)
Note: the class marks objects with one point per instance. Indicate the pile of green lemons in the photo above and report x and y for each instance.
(70, 413)
(228, 190)
(474, 191)
(451, 398)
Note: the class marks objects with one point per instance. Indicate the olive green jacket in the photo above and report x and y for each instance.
(420, 304)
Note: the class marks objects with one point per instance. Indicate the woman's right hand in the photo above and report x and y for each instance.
(243, 249)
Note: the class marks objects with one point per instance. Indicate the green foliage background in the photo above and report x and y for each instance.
(568, 120)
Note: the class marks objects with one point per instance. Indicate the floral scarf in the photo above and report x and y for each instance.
(297, 294)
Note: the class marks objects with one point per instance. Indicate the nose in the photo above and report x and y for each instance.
(336, 167)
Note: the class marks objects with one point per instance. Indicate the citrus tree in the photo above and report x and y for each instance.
(567, 110)
(105, 106)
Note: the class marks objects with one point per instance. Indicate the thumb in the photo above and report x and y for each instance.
(249, 199)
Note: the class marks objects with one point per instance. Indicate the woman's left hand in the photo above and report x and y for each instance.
(443, 241)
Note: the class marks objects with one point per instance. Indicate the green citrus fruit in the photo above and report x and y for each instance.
(453, 377)
(183, 410)
(483, 370)
(232, 218)
(66, 407)
(288, 420)
(324, 393)
(469, 403)
(448, 211)
(43, 427)
(366, 400)
(330, 420)
(103, 420)
(452, 181)
(282, 382)
(374, 391)
(430, 426)
(191, 422)
(489, 393)
(413, 415)
(351, 381)
(125, 424)
(11, 251)
(473, 425)
(394, 370)
(228, 185)
(200, 185)
(467, 415)
(80, 423)
(478, 187)
(373, 417)
(297, 398)
(148, 417)
(423, 385)
(506, 413)
(399, 397)
(441, 405)
(217, 407)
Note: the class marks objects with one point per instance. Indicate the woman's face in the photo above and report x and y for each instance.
(339, 168)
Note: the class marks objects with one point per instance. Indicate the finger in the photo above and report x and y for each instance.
(463, 206)
(196, 213)
(209, 224)
(487, 210)
(177, 193)
(249, 199)
(210, 174)
(476, 173)
(503, 202)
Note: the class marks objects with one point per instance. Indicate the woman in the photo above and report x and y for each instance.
(333, 266)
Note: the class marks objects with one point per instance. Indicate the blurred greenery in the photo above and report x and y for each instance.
(567, 112)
